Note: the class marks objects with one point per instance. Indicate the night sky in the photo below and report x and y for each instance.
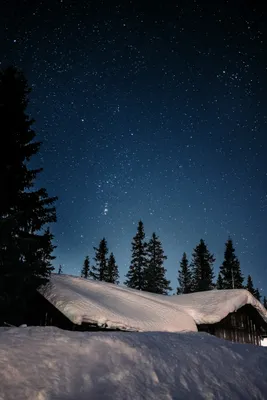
(148, 110)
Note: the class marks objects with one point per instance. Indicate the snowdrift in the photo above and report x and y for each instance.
(113, 306)
(46, 363)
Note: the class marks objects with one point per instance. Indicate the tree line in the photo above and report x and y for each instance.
(147, 271)
(198, 275)
(105, 267)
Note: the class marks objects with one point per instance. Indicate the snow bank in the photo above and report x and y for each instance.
(113, 306)
(212, 306)
(50, 364)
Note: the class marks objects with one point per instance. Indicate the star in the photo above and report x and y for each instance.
(140, 117)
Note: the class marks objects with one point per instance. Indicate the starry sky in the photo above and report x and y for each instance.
(148, 110)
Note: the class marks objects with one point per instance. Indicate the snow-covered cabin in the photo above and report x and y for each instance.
(75, 303)
(233, 314)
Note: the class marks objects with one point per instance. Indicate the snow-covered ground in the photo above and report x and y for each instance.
(40, 363)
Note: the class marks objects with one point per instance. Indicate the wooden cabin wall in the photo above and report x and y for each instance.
(43, 313)
(242, 326)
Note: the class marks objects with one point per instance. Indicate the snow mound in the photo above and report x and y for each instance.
(112, 306)
(214, 305)
(46, 363)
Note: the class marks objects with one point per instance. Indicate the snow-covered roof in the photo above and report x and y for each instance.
(214, 305)
(113, 306)
(48, 363)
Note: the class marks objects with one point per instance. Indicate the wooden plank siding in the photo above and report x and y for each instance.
(243, 326)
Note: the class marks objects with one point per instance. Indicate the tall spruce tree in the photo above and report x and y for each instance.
(135, 274)
(85, 272)
(249, 286)
(202, 268)
(155, 274)
(257, 294)
(230, 269)
(60, 271)
(184, 277)
(219, 284)
(112, 270)
(99, 270)
(25, 242)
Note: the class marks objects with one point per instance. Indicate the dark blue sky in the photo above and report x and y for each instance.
(148, 111)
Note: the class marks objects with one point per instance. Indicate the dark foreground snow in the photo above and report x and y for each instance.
(48, 363)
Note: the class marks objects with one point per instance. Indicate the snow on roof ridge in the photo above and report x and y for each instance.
(112, 306)
(90, 301)
(214, 305)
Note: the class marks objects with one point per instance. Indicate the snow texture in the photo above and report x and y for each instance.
(46, 363)
(214, 305)
(113, 306)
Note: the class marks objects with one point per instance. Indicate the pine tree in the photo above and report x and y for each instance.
(257, 294)
(25, 243)
(44, 252)
(202, 268)
(135, 274)
(85, 272)
(230, 269)
(250, 286)
(184, 277)
(154, 273)
(265, 302)
(60, 271)
(99, 270)
(112, 270)
(219, 284)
